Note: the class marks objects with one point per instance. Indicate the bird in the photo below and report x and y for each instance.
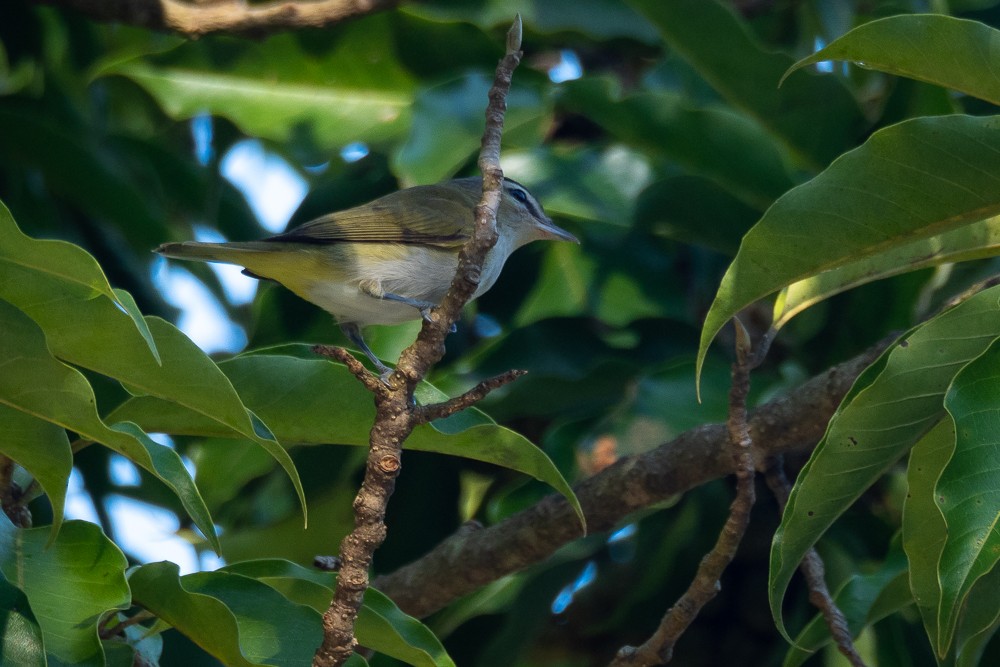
(388, 261)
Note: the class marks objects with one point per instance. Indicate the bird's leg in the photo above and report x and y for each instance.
(353, 333)
(423, 306)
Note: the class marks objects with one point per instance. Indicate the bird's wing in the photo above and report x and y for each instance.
(435, 216)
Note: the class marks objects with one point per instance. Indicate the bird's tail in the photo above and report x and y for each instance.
(230, 253)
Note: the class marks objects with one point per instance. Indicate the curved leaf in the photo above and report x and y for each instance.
(950, 52)
(41, 448)
(205, 620)
(315, 401)
(924, 527)
(967, 492)
(975, 241)
(68, 584)
(381, 625)
(398, 634)
(920, 178)
(62, 266)
(101, 334)
(891, 406)
(272, 629)
(35, 383)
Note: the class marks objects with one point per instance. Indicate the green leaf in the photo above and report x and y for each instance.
(943, 50)
(397, 634)
(102, 335)
(203, 619)
(68, 584)
(42, 449)
(381, 625)
(980, 620)
(975, 241)
(281, 91)
(924, 526)
(864, 599)
(967, 492)
(314, 401)
(272, 629)
(39, 385)
(62, 266)
(817, 117)
(891, 406)
(918, 179)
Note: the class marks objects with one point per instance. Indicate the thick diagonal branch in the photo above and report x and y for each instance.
(470, 559)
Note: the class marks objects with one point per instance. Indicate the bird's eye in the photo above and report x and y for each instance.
(519, 195)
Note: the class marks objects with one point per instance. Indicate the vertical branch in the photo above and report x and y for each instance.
(396, 416)
(659, 648)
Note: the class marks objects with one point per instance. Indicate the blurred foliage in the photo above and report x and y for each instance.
(667, 145)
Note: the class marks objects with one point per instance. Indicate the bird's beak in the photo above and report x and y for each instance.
(549, 231)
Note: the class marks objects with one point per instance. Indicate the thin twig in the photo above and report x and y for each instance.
(396, 415)
(195, 19)
(428, 413)
(813, 571)
(466, 561)
(659, 648)
(357, 369)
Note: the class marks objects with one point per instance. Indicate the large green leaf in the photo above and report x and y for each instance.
(381, 625)
(55, 283)
(203, 619)
(272, 629)
(69, 584)
(974, 241)
(43, 449)
(967, 492)
(36, 384)
(314, 401)
(282, 91)
(950, 52)
(918, 179)
(63, 267)
(891, 406)
(816, 116)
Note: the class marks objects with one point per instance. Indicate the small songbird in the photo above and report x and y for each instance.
(388, 261)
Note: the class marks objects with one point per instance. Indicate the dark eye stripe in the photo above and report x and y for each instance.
(521, 195)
